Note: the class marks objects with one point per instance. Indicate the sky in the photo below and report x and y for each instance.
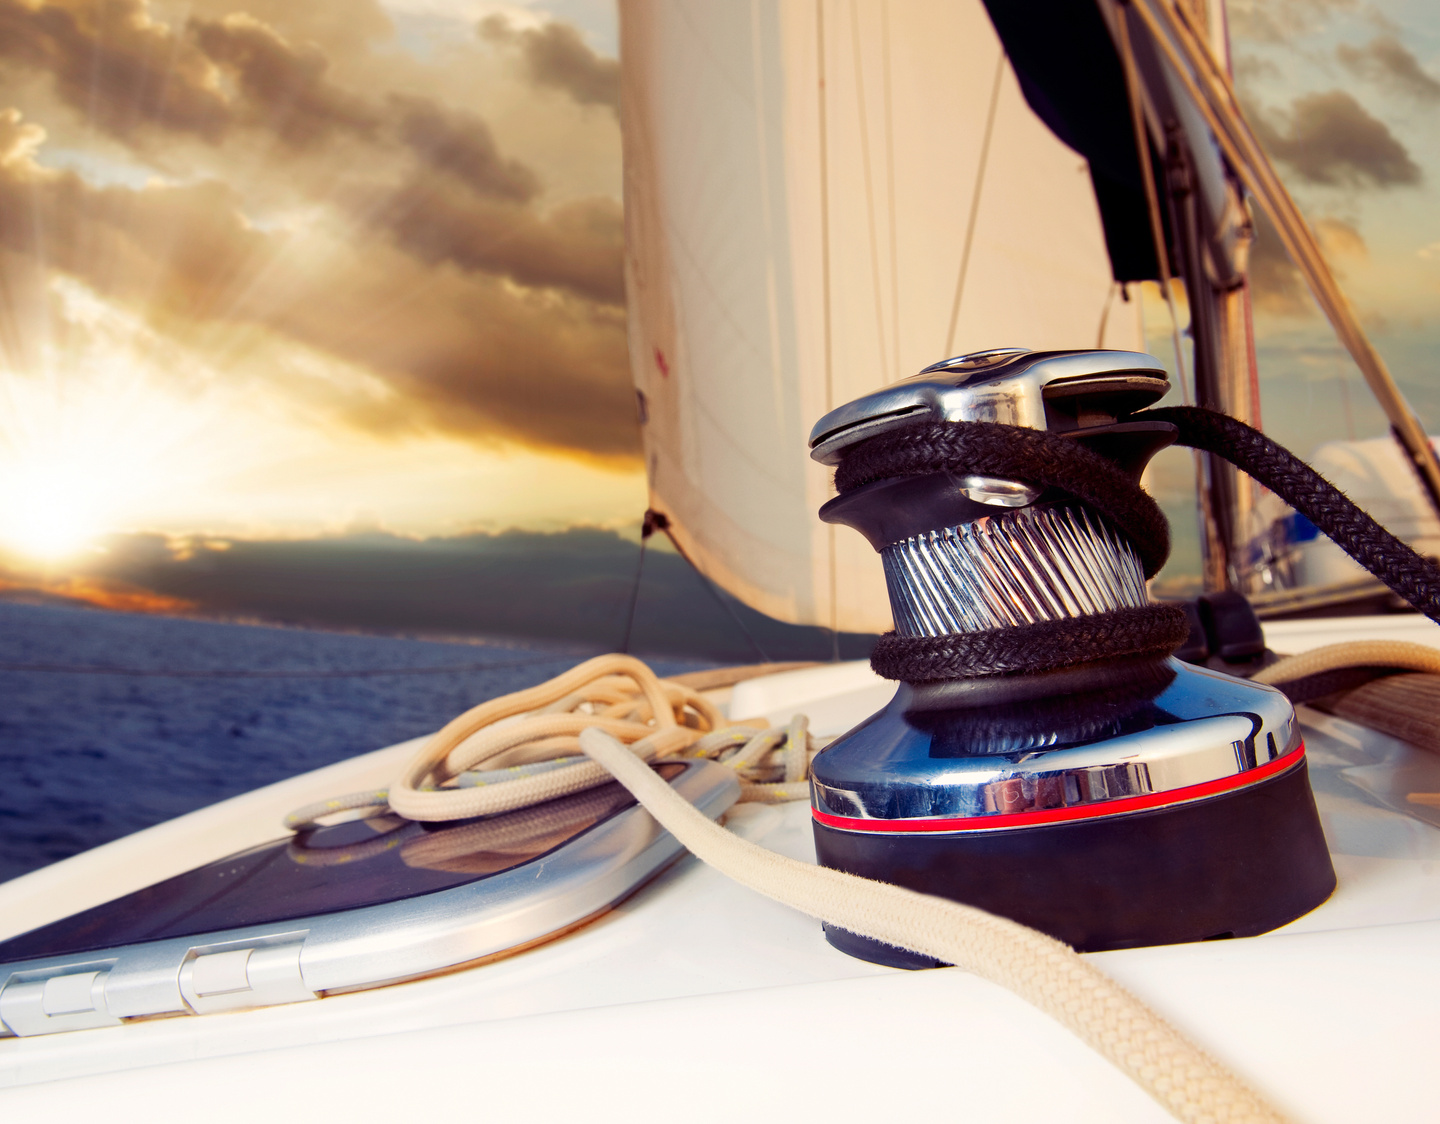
(309, 267)
(293, 270)
(1345, 97)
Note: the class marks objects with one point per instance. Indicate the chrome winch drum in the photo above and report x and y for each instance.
(1113, 802)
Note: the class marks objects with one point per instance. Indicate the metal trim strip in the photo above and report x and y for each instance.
(1143, 803)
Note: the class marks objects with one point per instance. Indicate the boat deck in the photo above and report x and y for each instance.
(698, 999)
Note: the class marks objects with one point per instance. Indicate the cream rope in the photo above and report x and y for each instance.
(1047, 974)
(528, 734)
(620, 715)
(1352, 653)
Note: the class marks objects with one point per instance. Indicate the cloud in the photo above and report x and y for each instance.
(1330, 139)
(579, 246)
(360, 217)
(135, 78)
(112, 63)
(341, 30)
(1276, 285)
(1250, 69)
(282, 88)
(467, 354)
(1278, 21)
(572, 585)
(1386, 61)
(19, 139)
(1340, 240)
(178, 247)
(557, 57)
(462, 145)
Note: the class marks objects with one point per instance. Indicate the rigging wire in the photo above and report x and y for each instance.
(862, 111)
(1152, 198)
(890, 183)
(647, 528)
(975, 201)
(659, 521)
(822, 94)
(1209, 528)
(1211, 90)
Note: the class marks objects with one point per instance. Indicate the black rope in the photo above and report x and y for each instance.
(1156, 630)
(1051, 460)
(1408, 574)
(1031, 456)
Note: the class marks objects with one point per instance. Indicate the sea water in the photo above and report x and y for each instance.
(111, 722)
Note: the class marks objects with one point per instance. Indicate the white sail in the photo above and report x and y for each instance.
(822, 196)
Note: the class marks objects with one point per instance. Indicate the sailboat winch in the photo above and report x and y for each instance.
(1044, 757)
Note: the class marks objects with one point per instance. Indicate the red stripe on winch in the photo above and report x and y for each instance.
(1061, 815)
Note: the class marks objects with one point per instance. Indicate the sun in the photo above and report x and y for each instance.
(80, 458)
(46, 518)
(50, 512)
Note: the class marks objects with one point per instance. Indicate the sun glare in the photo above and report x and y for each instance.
(89, 443)
(50, 512)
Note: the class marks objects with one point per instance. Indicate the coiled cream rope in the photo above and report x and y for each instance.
(511, 752)
(615, 711)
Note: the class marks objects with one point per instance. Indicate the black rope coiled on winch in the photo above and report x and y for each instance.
(1031, 456)
(1155, 631)
(1043, 459)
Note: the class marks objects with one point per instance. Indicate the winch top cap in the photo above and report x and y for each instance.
(1006, 385)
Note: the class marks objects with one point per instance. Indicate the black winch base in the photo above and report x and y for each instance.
(1233, 865)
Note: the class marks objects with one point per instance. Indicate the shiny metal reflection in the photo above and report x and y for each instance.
(1021, 567)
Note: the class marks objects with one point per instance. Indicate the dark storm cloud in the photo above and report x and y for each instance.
(111, 63)
(1330, 139)
(344, 29)
(472, 356)
(461, 144)
(572, 585)
(1385, 60)
(283, 88)
(557, 57)
(134, 78)
(474, 216)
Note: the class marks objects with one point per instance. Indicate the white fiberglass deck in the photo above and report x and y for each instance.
(699, 1000)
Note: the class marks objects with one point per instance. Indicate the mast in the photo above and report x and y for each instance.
(1188, 66)
(1206, 232)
